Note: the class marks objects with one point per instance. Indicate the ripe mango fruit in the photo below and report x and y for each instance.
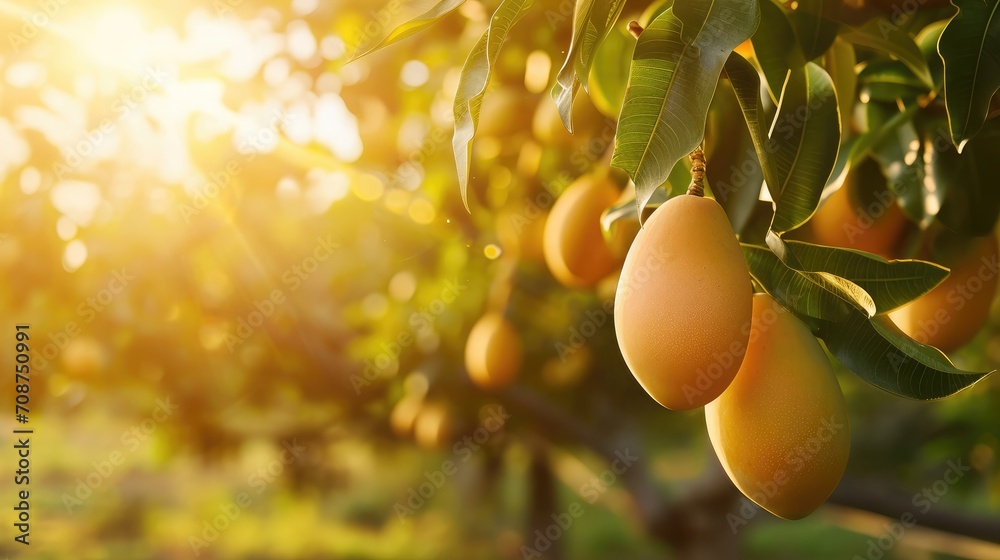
(683, 305)
(434, 426)
(493, 352)
(574, 246)
(781, 429)
(404, 415)
(952, 314)
(862, 214)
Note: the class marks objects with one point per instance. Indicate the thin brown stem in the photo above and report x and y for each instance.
(698, 167)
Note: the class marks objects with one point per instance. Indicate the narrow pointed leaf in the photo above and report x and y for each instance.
(734, 176)
(839, 62)
(775, 47)
(894, 41)
(890, 284)
(878, 352)
(626, 210)
(889, 80)
(411, 27)
(899, 150)
(805, 139)
(872, 347)
(799, 154)
(746, 85)
(592, 20)
(675, 70)
(609, 73)
(812, 296)
(815, 24)
(970, 47)
(972, 205)
(473, 83)
(880, 130)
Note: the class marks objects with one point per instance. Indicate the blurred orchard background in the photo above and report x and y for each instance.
(249, 272)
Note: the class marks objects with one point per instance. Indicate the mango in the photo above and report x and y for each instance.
(862, 214)
(523, 234)
(404, 415)
(683, 305)
(493, 354)
(949, 316)
(781, 429)
(434, 426)
(574, 246)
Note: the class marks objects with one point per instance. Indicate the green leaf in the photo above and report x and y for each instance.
(970, 47)
(473, 83)
(971, 200)
(889, 80)
(675, 70)
(890, 284)
(411, 27)
(839, 62)
(860, 147)
(812, 296)
(815, 24)
(893, 142)
(927, 40)
(775, 47)
(734, 176)
(894, 41)
(592, 20)
(799, 156)
(609, 73)
(872, 347)
(628, 211)
(746, 85)
(878, 352)
(805, 140)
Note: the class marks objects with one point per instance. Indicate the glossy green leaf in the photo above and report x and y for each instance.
(894, 41)
(746, 84)
(972, 200)
(860, 147)
(592, 20)
(798, 156)
(890, 284)
(411, 27)
(775, 47)
(901, 151)
(872, 347)
(878, 352)
(812, 296)
(889, 80)
(805, 140)
(815, 25)
(970, 47)
(839, 62)
(927, 41)
(675, 70)
(734, 176)
(628, 211)
(609, 73)
(474, 80)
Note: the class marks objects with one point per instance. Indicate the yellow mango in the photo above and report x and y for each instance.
(493, 352)
(574, 246)
(952, 314)
(683, 305)
(781, 429)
